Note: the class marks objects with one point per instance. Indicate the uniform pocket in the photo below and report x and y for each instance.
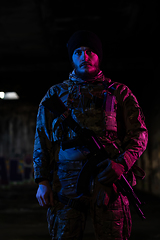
(52, 218)
(65, 223)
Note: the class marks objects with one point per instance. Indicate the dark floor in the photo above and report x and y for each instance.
(21, 218)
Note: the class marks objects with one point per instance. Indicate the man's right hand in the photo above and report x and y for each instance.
(45, 194)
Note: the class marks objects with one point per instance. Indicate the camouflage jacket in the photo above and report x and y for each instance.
(108, 108)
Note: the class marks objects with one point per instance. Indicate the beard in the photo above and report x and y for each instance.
(86, 74)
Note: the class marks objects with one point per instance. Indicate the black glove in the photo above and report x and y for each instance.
(110, 171)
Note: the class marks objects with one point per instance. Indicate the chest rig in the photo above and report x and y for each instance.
(93, 105)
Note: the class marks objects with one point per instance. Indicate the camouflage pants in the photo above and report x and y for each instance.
(112, 222)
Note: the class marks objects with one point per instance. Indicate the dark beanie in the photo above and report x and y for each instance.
(86, 39)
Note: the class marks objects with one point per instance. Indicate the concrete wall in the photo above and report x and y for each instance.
(17, 128)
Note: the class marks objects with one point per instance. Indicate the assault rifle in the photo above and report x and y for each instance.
(88, 138)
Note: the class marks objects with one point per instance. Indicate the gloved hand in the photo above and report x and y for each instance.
(110, 171)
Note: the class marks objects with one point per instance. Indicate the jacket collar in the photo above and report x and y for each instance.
(74, 78)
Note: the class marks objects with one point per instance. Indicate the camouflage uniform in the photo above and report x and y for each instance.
(121, 129)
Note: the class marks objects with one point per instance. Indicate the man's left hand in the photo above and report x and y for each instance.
(110, 171)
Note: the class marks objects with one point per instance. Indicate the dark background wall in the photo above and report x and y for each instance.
(17, 129)
(33, 57)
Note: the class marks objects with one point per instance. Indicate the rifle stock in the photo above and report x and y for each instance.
(97, 153)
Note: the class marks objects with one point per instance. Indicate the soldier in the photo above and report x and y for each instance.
(112, 111)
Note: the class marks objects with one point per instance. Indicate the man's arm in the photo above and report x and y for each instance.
(43, 146)
(43, 156)
(136, 134)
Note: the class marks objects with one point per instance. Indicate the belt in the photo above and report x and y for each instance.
(75, 203)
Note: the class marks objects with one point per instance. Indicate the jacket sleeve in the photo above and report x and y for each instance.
(136, 135)
(43, 154)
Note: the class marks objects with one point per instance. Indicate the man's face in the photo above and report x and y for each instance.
(86, 62)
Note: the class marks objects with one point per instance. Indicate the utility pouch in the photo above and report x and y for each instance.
(110, 113)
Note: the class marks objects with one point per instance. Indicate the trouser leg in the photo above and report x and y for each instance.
(65, 223)
(112, 222)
